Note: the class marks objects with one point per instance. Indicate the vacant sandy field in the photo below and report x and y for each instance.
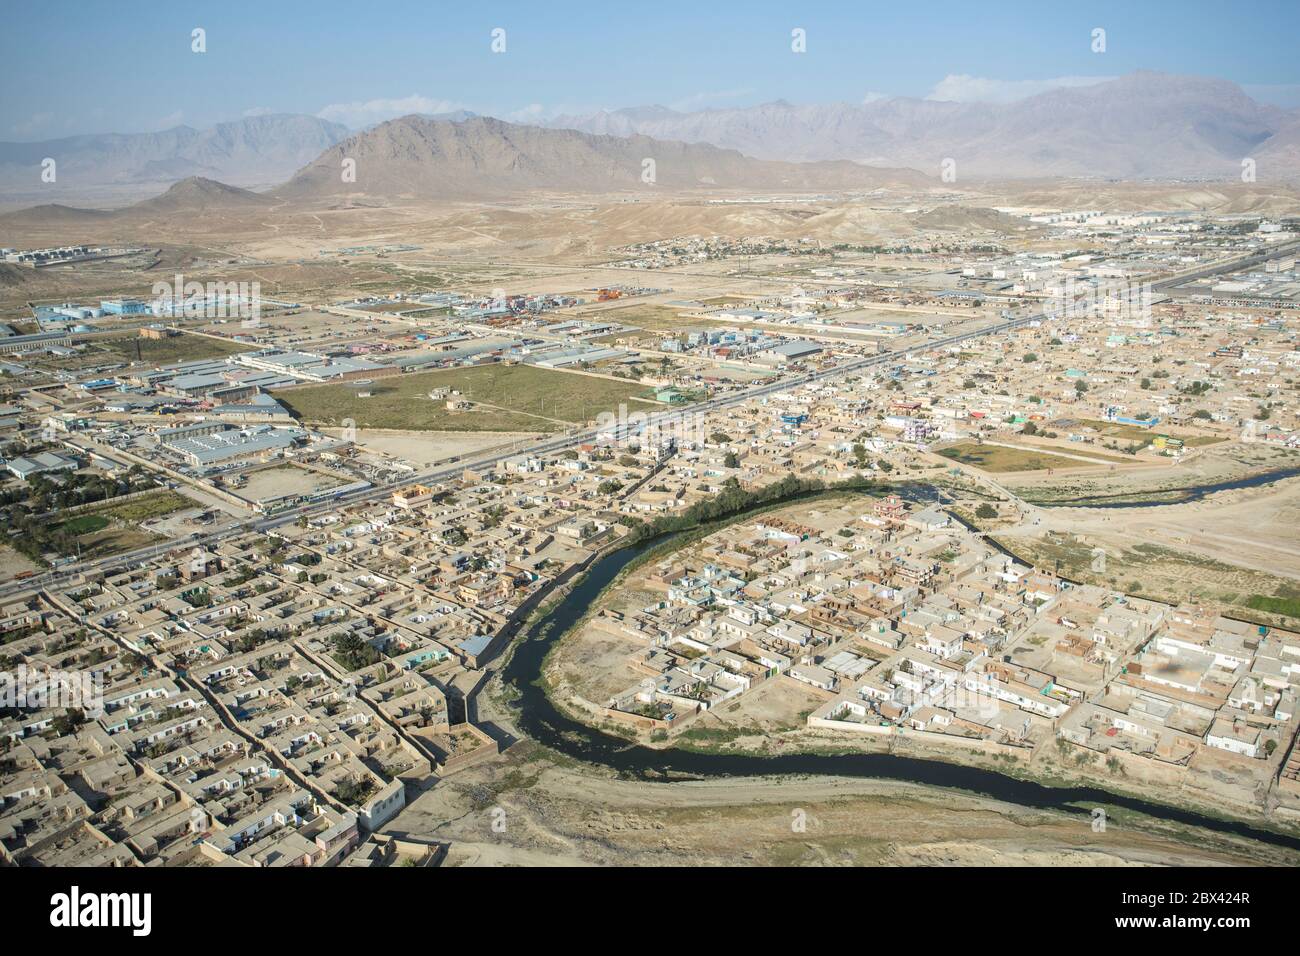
(772, 707)
(593, 669)
(13, 564)
(431, 447)
(1238, 548)
(560, 813)
(658, 318)
(284, 480)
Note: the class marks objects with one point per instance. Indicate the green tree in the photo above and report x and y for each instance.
(67, 722)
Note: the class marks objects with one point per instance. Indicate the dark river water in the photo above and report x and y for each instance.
(537, 717)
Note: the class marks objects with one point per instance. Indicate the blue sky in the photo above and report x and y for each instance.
(81, 66)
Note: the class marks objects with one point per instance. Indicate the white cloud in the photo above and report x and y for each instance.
(872, 96)
(258, 111)
(171, 119)
(963, 88)
(361, 114)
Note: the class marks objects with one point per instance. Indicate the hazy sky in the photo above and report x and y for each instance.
(79, 66)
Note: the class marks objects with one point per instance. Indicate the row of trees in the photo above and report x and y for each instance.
(733, 499)
(62, 489)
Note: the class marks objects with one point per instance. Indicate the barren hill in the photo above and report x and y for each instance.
(197, 194)
(418, 158)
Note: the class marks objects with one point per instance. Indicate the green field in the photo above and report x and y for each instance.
(514, 397)
(995, 458)
(1285, 604)
(85, 524)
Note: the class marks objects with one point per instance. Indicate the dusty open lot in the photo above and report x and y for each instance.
(12, 564)
(431, 447)
(1239, 549)
(550, 811)
(773, 706)
(1167, 534)
(284, 479)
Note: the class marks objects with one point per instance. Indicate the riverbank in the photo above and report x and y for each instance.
(537, 716)
(1203, 472)
(538, 807)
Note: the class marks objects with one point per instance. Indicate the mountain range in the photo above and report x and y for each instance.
(418, 158)
(255, 151)
(481, 157)
(1144, 126)
(1141, 126)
